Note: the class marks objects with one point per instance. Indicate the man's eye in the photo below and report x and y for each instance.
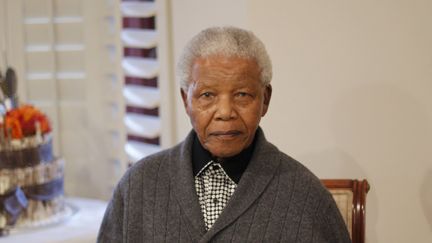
(206, 94)
(242, 94)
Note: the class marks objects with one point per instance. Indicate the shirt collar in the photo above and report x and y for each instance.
(234, 166)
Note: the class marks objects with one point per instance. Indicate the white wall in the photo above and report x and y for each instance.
(352, 95)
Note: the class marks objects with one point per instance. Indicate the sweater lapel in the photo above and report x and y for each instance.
(262, 168)
(184, 187)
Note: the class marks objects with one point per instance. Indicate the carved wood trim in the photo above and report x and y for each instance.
(359, 189)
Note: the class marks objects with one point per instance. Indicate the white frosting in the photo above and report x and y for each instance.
(26, 142)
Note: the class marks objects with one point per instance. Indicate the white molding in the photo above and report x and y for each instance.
(139, 38)
(140, 67)
(39, 75)
(141, 96)
(57, 47)
(55, 20)
(138, 9)
(142, 125)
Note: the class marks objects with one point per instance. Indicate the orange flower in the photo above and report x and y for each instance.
(23, 121)
(12, 124)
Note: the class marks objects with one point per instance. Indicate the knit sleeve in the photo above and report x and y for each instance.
(330, 226)
(111, 229)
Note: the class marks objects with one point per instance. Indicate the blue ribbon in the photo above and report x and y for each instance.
(15, 201)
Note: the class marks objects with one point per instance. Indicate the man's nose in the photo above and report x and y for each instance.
(225, 109)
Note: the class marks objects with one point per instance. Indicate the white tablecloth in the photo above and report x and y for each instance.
(81, 227)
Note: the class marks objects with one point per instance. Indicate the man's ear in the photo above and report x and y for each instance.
(267, 97)
(184, 98)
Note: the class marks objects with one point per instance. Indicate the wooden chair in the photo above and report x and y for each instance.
(350, 197)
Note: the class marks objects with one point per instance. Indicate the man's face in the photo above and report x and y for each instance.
(225, 101)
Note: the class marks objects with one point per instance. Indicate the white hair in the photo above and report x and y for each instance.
(225, 41)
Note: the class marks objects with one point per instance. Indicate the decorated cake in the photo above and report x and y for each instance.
(31, 177)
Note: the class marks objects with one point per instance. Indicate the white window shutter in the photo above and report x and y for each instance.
(68, 57)
(141, 68)
(104, 83)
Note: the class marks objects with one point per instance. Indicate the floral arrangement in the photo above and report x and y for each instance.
(20, 125)
(24, 121)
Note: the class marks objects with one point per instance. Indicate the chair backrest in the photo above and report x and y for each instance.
(350, 197)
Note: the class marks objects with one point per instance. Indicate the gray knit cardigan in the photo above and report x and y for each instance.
(276, 200)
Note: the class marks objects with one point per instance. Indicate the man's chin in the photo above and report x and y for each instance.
(226, 153)
(225, 148)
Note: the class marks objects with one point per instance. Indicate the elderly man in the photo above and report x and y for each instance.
(225, 182)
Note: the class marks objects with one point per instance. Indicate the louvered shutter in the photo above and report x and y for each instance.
(141, 69)
(100, 69)
(67, 54)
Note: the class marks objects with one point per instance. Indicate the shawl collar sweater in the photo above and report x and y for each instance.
(277, 200)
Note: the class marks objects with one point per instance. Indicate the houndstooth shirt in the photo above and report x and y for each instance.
(214, 188)
(216, 180)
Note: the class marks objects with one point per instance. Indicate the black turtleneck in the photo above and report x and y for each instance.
(234, 166)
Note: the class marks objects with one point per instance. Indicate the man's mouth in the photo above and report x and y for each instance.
(226, 134)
